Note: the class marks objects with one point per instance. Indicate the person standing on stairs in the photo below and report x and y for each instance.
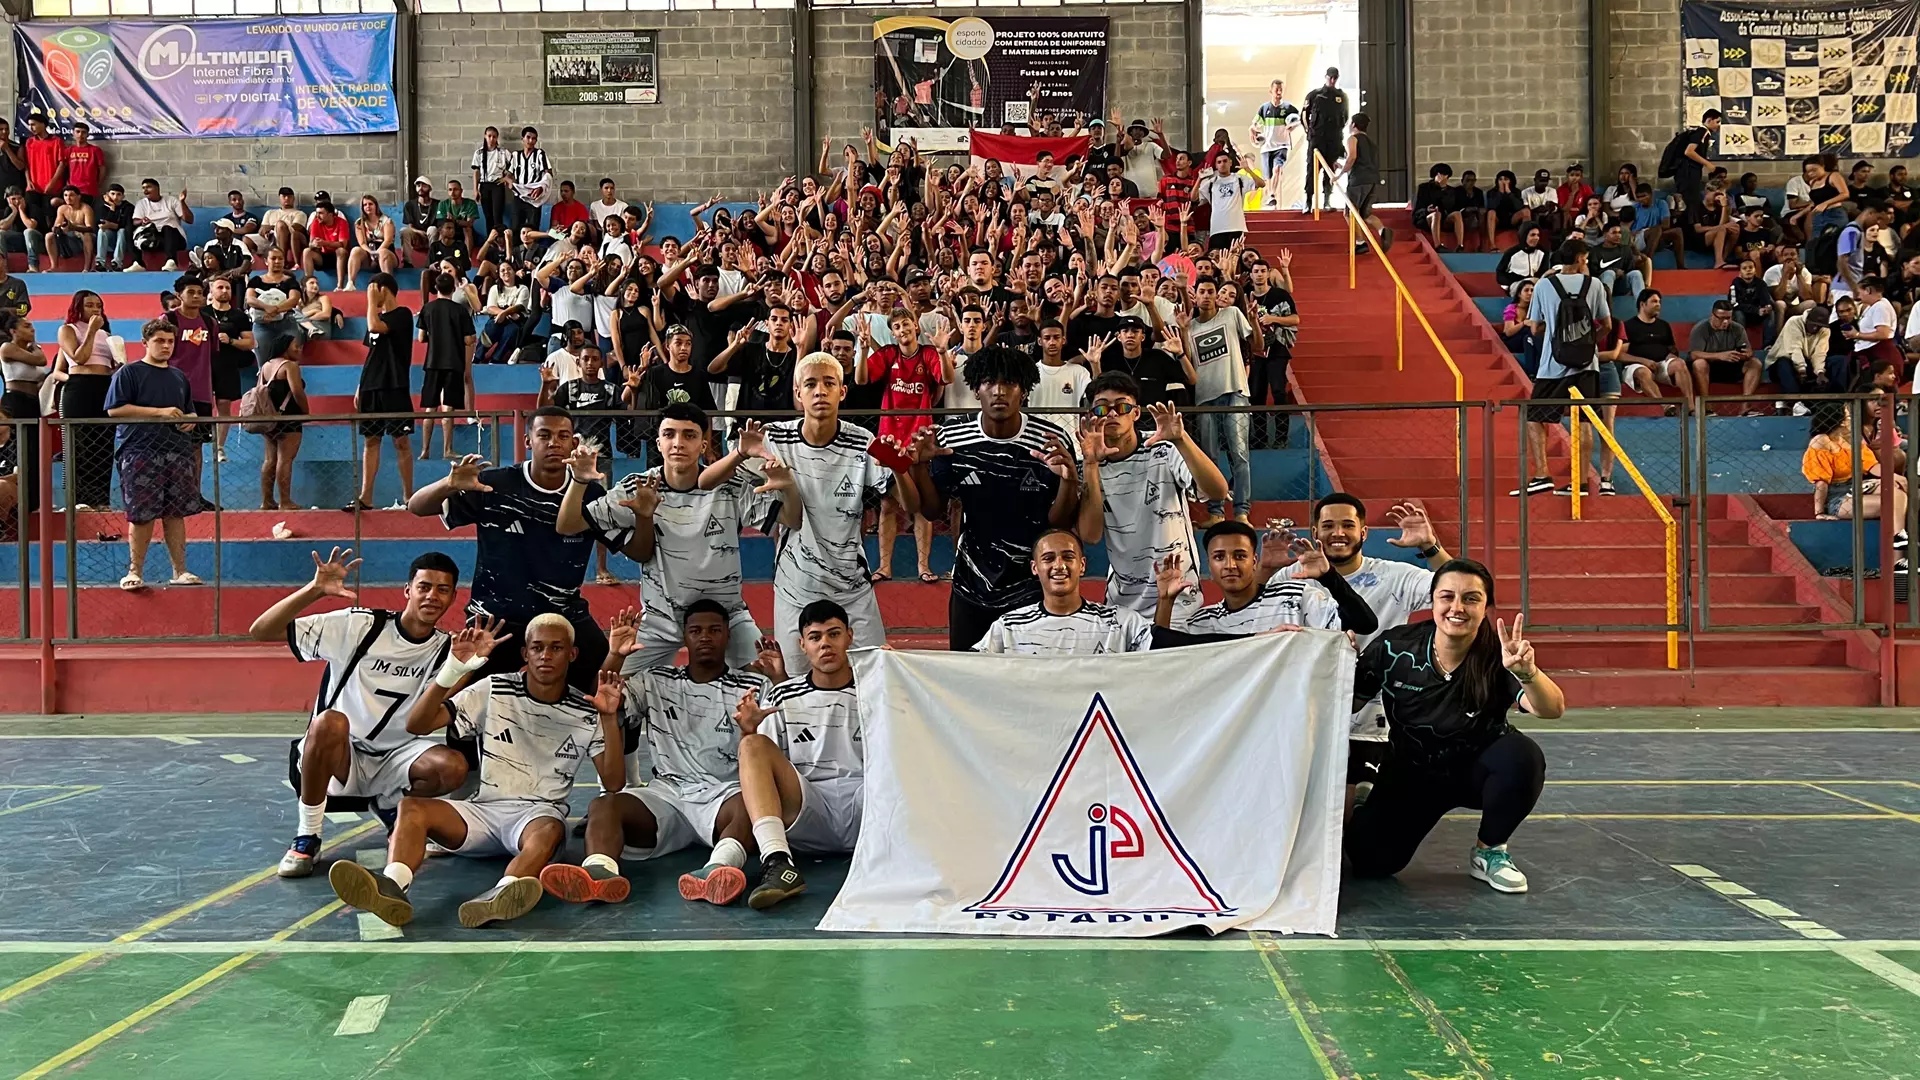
(1362, 172)
(1326, 116)
(1217, 339)
(1570, 317)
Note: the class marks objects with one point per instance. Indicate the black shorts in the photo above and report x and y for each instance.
(1364, 759)
(1360, 196)
(1725, 371)
(1587, 382)
(441, 387)
(384, 401)
(226, 377)
(1221, 241)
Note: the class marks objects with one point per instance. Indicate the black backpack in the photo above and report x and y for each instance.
(1573, 327)
(1676, 152)
(1823, 254)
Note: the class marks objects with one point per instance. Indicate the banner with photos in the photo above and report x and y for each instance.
(1799, 79)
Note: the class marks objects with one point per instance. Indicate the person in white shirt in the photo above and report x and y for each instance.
(1225, 190)
(160, 221)
(1790, 281)
(610, 204)
(376, 662)
(1062, 385)
(1064, 623)
(1874, 338)
(532, 730)
(285, 227)
(1216, 340)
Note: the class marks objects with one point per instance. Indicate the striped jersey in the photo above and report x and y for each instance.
(529, 749)
(1281, 602)
(817, 728)
(382, 685)
(1092, 630)
(530, 169)
(825, 558)
(491, 163)
(1145, 506)
(692, 744)
(1005, 493)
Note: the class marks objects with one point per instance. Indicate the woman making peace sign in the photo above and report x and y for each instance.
(1447, 686)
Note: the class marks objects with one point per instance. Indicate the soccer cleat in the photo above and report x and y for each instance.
(584, 884)
(1495, 867)
(508, 901)
(298, 861)
(714, 884)
(778, 881)
(359, 887)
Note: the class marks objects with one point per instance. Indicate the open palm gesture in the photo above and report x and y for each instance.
(1309, 558)
(607, 695)
(1516, 652)
(643, 497)
(749, 713)
(752, 438)
(768, 659)
(1166, 423)
(1059, 459)
(465, 475)
(478, 642)
(1170, 574)
(1416, 530)
(330, 577)
(623, 633)
(584, 464)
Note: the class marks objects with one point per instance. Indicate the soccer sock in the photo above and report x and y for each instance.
(728, 852)
(771, 834)
(311, 819)
(604, 861)
(399, 873)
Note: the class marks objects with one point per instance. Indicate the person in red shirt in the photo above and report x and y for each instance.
(86, 165)
(46, 167)
(915, 375)
(567, 211)
(1576, 191)
(1176, 188)
(329, 240)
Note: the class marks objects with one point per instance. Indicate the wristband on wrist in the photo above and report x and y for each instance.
(454, 670)
(1430, 551)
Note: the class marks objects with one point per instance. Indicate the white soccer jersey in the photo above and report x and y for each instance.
(382, 685)
(696, 552)
(528, 749)
(825, 558)
(1278, 603)
(692, 742)
(1145, 508)
(1092, 630)
(818, 729)
(1394, 590)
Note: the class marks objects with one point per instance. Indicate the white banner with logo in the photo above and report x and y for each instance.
(1108, 796)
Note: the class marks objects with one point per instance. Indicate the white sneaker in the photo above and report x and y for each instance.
(170, 266)
(1495, 867)
(1800, 409)
(132, 268)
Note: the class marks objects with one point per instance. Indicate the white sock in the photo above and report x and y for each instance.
(771, 834)
(399, 873)
(728, 852)
(311, 818)
(604, 861)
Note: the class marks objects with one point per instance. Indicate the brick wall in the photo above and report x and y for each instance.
(1501, 84)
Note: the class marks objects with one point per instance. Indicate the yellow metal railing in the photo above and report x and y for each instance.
(1579, 482)
(1402, 297)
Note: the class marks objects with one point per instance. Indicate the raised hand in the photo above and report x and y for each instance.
(1416, 531)
(1167, 427)
(926, 445)
(768, 660)
(465, 474)
(1058, 457)
(749, 713)
(584, 464)
(1516, 652)
(1276, 548)
(623, 633)
(779, 475)
(1097, 346)
(607, 697)
(752, 438)
(1285, 258)
(478, 641)
(1310, 559)
(1093, 441)
(643, 498)
(330, 577)
(1170, 574)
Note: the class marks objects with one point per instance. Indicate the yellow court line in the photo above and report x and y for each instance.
(140, 1015)
(1888, 810)
(161, 922)
(1263, 944)
(70, 793)
(1890, 816)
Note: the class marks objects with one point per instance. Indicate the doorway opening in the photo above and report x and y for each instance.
(1250, 43)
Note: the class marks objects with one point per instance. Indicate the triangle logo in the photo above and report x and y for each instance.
(1098, 847)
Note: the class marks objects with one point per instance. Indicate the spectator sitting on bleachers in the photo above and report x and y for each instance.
(1523, 262)
(508, 310)
(1790, 282)
(1828, 466)
(284, 227)
(1505, 209)
(273, 296)
(1436, 208)
(1517, 333)
(1644, 348)
(1710, 228)
(1542, 202)
(113, 231)
(21, 231)
(329, 244)
(1473, 208)
(1756, 234)
(1753, 302)
(374, 241)
(225, 256)
(1621, 194)
(315, 315)
(1618, 265)
(159, 223)
(1591, 219)
(1823, 206)
(1574, 191)
(243, 224)
(1799, 356)
(72, 235)
(1654, 227)
(460, 210)
(417, 220)
(1718, 349)
(1748, 196)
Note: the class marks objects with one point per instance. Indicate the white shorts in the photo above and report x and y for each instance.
(862, 608)
(678, 822)
(381, 778)
(494, 827)
(657, 649)
(1662, 371)
(829, 818)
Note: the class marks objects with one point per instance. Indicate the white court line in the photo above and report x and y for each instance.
(342, 817)
(362, 1016)
(238, 759)
(374, 928)
(179, 740)
(859, 943)
(1868, 956)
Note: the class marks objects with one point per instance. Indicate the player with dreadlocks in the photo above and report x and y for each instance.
(1015, 476)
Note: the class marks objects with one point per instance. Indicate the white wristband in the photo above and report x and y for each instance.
(454, 670)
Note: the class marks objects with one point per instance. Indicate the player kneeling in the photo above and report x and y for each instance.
(533, 729)
(377, 661)
(692, 794)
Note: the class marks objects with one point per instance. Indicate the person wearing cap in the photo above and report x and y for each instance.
(1326, 121)
(225, 256)
(1799, 355)
(1542, 202)
(285, 228)
(1141, 151)
(1718, 349)
(1101, 147)
(417, 220)
(244, 226)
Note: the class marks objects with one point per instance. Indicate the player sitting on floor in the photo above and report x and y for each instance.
(532, 729)
(377, 662)
(800, 757)
(1314, 596)
(691, 793)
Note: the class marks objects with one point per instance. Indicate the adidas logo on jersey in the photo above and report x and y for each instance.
(513, 527)
(972, 480)
(504, 735)
(806, 735)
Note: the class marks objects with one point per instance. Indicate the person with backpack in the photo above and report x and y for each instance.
(1570, 318)
(1685, 158)
(1841, 257)
(281, 392)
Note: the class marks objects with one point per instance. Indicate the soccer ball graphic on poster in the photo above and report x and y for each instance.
(78, 59)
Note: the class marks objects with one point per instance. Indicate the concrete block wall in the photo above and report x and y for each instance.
(1501, 84)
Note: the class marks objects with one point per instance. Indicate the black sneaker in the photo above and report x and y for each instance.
(359, 887)
(1361, 248)
(1539, 485)
(1606, 488)
(778, 881)
(1386, 240)
(298, 861)
(508, 901)
(1900, 540)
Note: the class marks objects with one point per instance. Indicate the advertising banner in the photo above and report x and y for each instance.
(934, 79)
(602, 67)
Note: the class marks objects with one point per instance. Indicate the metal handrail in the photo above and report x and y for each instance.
(1672, 529)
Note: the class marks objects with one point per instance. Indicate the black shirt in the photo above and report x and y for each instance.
(766, 378)
(11, 175)
(389, 353)
(1751, 296)
(232, 322)
(455, 253)
(1280, 339)
(1687, 170)
(582, 397)
(419, 215)
(661, 386)
(1648, 340)
(710, 328)
(1434, 195)
(1326, 111)
(1430, 721)
(446, 324)
(1005, 494)
(1087, 324)
(1157, 372)
(522, 566)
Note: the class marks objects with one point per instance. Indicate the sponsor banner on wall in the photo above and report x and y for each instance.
(1799, 79)
(602, 67)
(934, 79)
(1102, 796)
(210, 78)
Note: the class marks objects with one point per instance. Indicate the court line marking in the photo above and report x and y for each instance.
(363, 1015)
(1437, 1022)
(1889, 969)
(1759, 905)
(239, 759)
(373, 928)
(141, 1015)
(1870, 805)
(1263, 947)
(157, 923)
(67, 791)
(863, 943)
